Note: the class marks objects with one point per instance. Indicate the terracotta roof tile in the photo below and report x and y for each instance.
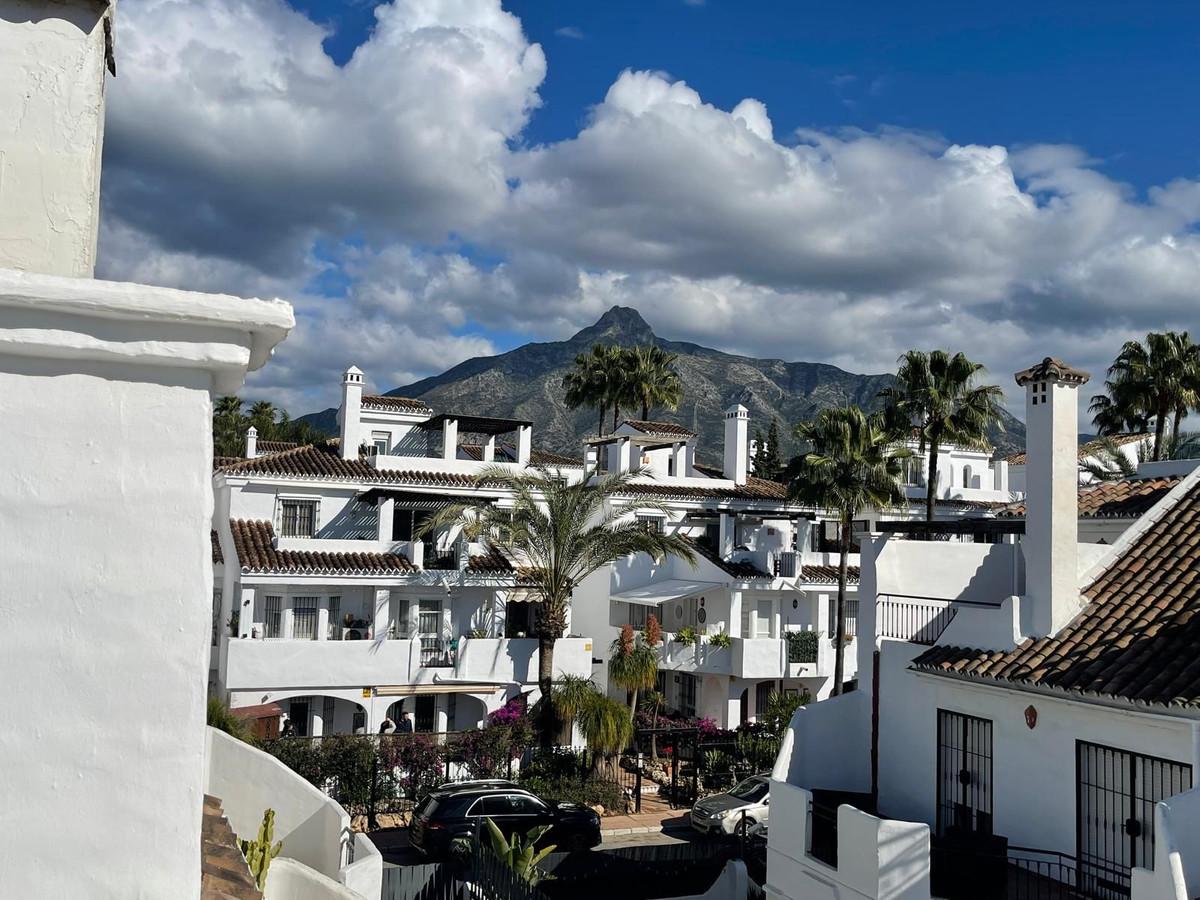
(216, 548)
(827, 574)
(394, 404)
(1137, 638)
(753, 489)
(659, 429)
(220, 462)
(508, 453)
(1091, 448)
(252, 541)
(1124, 499)
(275, 446)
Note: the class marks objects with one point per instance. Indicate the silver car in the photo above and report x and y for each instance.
(723, 813)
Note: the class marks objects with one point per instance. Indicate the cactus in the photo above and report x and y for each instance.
(259, 852)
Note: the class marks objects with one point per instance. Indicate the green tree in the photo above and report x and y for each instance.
(229, 427)
(853, 464)
(937, 396)
(651, 380)
(560, 532)
(632, 665)
(591, 382)
(1155, 380)
(768, 461)
(604, 722)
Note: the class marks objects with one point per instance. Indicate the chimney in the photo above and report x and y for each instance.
(251, 442)
(737, 444)
(351, 412)
(1051, 545)
(52, 74)
(524, 444)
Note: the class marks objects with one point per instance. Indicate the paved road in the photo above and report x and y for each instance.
(393, 843)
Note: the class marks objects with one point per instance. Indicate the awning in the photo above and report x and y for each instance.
(440, 687)
(524, 595)
(261, 711)
(662, 591)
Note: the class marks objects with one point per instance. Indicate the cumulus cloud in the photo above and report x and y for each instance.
(395, 200)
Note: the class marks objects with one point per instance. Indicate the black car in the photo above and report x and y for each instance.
(456, 810)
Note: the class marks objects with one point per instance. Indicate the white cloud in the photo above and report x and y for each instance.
(242, 159)
(570, 31)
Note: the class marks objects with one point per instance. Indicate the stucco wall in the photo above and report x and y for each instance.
(105, 504)
(51, 129)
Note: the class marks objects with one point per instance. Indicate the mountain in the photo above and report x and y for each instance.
(526, 383)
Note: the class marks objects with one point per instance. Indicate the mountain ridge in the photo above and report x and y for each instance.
(526, 382)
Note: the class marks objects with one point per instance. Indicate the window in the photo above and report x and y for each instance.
(524, 806)
(687, 694)
(637, 615)
(380, 443)
(327, 708)
(762, 695)
(851, 616)
(297, 518)
(216, 616)
(653, 524)
(272, 618)
(335, 619)
(304, 618)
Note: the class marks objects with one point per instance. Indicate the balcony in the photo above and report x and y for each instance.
(286, 665)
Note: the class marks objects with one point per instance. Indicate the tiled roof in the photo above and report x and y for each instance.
(742, 571)
(1124, 499)
(496, 563)
(827, 574)
(508, 453)
(1138, 637)
(753, 489)
(220, 462)
(275, 446)
(322, 462)
(660, 429)
(1091, 448)
(216, 549)
(1052, 369)
(252, 541)
(394, 404)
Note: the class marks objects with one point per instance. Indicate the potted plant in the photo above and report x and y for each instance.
(719, 640)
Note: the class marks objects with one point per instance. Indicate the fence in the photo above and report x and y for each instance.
(479, 874)
(992, 871)
(918, 623)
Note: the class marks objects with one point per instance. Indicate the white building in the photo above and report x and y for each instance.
(1130, 446)
(105, 505)
(1030, 725)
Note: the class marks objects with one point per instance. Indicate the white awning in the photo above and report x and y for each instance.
(662, 591)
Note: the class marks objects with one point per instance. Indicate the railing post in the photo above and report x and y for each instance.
(637, 788)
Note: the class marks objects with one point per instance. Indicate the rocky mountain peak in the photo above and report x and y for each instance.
(622, 325)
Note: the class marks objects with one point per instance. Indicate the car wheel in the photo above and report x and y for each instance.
(742, 829)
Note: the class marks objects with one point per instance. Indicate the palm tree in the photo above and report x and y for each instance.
(936, 396)
(852, 464)
(633, 665)
(561, 532)
(589, 382)
(229, 427)
(603, 721)
(262, 416)
(1158, 379)
(652, 379)
(1109, 462)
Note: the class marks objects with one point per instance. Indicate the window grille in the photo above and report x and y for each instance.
(274, 606)
(637, 615)
(653, 524)
(298, 518)
(335, 619)
(851, 616)
(304, 618)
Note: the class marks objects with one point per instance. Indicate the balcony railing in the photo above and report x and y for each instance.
(436, 653)
(787, 564)
(913, 621)
(441, 560)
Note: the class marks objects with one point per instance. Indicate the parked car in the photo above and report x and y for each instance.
(457, 810)
(723, 813)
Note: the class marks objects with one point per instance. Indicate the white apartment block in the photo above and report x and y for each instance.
(1029, 727)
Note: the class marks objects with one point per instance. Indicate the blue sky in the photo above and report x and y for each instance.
(431, 180)
(1120, 82)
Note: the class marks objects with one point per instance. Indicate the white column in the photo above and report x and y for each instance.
(285, 618)
(735, 614)
(387, 511)
(316, 711)
(383, 612)
(450, 439)
(489, 449)
(524, 444)
(725, 541)
(625, 459)
(323, 619)
(251, 442)
(246, 612)
(441, 714)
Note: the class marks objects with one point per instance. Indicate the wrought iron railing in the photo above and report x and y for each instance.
(787, 564)
(961, 871)
(915, 622)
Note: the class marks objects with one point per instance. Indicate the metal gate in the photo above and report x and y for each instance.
(964, 780)
(1115, 796)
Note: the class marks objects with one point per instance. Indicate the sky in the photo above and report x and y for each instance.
(430, 180)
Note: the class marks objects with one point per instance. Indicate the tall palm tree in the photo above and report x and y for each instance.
(632, 665)
(853, 463)
(587, 384)
(1157, 379)
(652, 380)
(560, 532)
(937, 395)
(229, 427)
(262, 416)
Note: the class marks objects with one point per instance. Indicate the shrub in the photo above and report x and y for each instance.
(590, 792)
(686, 635)
(802, 646)
(720, 639)
(554, 763)
(652, 633)
(221, 718)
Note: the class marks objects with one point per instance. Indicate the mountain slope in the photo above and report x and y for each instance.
(526, 383)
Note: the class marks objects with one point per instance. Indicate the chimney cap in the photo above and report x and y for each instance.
(252, 431)
(353, 374)
(737, 411)
(1052, 369)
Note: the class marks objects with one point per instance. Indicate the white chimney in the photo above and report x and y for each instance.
(524, 444)
(1051, 545)
(52, 70)
(351, 412)
(251, 442)
(737, 443)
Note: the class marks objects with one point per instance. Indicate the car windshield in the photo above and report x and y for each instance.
(752, 790)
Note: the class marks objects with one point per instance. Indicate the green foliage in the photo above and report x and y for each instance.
(605, 722)
(230, 424)
(521, 854)
(802, 646)
(221, 718)
(1108, 462)
(260, 851)
(486, 752)
(574, 789)
(687, 635)
(617, 378)
(768, 457)
(780, 708)
(720, 640)
(633, 664)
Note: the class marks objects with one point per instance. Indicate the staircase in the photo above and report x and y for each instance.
(223, 871)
